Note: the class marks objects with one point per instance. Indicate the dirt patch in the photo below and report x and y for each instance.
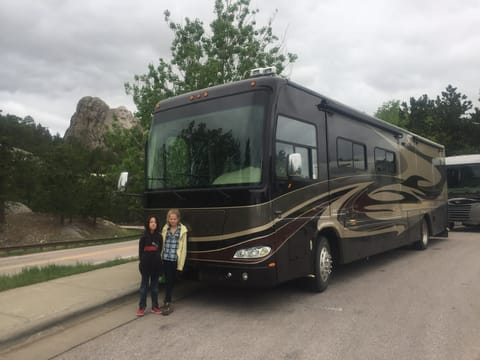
(26, 228)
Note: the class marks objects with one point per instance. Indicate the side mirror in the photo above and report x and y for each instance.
(294, 164)
(122, 181)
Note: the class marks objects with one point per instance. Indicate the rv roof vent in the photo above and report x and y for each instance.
(270, 70)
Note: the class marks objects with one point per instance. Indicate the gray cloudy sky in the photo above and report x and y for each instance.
(362, 53)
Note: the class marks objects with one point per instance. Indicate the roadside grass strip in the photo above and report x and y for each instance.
(33, 275)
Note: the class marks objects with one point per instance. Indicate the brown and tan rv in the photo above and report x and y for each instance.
(278, 182)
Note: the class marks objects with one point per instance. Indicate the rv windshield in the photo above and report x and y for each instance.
(463, 179)
(212, 143)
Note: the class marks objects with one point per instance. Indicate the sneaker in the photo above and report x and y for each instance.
(140, 312)
(167, 309)
(156, 310)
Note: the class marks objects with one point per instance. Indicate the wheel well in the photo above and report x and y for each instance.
(332, 238)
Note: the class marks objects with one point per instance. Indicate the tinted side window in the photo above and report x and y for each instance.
(384, 161)
(293, 136)
(350, 154)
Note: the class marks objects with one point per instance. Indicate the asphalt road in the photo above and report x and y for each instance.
(91, 254)
(404, 304)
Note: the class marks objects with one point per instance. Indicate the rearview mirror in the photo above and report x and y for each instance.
(294, 164)
(122, 181)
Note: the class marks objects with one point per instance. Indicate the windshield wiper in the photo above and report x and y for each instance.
(180, 197)
(225, 195)
(164, 179)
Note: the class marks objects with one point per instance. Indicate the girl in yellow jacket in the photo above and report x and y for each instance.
(174, 252)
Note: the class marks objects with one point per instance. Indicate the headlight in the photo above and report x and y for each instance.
(253, 252)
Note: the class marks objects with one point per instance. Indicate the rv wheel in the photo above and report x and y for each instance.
(423, 242)
(323, 265)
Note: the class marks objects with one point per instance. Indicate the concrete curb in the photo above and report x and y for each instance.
(30, 310)
(23, 334)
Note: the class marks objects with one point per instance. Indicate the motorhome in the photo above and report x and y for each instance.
(463, 179)
(278, 182)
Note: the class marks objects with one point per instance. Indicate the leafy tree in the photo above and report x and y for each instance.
(27, 143)
(390, 112)
(25, 182)
(235, 46)
(25, 134)
(445, 120)
(126, 148)
(149, 88)
(451, 119)
(200, 57)
(62, 178)
(21, 145)
(418, 115)
(50, 175)
(95, 187)
(472, 133)
(5, 177)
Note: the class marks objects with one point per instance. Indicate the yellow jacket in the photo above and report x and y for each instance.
(182, 244)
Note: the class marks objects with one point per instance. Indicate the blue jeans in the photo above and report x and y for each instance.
(153, 279)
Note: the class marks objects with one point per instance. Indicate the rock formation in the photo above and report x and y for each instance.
(93, 118)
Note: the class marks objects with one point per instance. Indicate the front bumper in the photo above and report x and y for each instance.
(247, 276)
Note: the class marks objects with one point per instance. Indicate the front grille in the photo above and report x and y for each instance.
(459, 212)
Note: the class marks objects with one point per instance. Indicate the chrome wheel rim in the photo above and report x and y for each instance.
(325, 264)
(424, 234)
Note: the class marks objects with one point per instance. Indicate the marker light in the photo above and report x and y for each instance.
(253, 252)
(271, 70)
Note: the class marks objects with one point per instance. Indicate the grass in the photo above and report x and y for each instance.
(34, 275)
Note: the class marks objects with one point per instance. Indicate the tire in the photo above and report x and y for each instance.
(322, 265)
(422, 243)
